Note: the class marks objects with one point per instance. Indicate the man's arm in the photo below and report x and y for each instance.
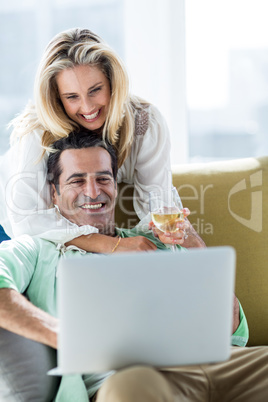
(20, 316)
(236, 317)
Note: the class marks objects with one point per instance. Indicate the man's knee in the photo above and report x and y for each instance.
(138, 383)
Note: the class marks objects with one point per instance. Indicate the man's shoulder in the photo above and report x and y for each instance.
(26, 242)
(24, 239)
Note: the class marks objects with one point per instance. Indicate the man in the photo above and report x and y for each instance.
(82, 173)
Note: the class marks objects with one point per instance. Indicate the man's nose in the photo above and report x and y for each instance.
(91, 189)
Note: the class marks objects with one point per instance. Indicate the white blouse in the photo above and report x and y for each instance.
(25, 192)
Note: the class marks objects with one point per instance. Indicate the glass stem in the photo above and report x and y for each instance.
(173, 248)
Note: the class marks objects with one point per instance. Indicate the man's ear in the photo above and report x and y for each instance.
(54, 194)
(115, 185)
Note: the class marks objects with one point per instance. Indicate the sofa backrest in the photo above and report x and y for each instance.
(229, 206)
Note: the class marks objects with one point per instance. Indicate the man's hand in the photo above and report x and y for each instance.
(20, 316)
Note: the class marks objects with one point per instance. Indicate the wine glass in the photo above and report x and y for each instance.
(166, 210)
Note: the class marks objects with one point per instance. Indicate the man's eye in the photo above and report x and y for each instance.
(104, 179)
(76, 182)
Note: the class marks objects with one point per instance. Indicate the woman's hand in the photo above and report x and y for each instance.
(185, 236)
(177, 237)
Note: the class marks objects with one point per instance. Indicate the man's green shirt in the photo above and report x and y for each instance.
(29, 265)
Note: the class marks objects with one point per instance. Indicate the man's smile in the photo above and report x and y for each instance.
(93, 206)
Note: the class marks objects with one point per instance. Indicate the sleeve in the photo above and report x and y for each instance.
(17, 263)
(152, 169)
(28, 197)
(240, 336)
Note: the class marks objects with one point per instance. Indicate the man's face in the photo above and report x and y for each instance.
(87, 190)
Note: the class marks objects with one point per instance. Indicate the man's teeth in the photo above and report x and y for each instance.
(95, 206)
(91, 116)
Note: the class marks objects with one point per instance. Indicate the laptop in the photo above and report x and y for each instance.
(156, 308)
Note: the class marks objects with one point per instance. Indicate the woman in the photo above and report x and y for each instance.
(81, 82)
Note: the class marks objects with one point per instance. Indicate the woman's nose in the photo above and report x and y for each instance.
(87, 106)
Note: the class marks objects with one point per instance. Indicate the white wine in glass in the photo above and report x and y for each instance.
(166, 210)
(166, 219)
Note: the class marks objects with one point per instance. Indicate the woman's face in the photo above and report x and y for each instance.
(85, 94)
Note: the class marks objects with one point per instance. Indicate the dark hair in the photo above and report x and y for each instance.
(77, 140)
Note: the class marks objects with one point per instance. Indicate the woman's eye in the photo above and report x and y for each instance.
(72, 97)
(94, 91)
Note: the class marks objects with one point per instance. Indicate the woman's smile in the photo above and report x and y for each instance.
(91, 117)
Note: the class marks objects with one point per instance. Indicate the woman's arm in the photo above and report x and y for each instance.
(149, 168)
(98, 243)
(152, 168)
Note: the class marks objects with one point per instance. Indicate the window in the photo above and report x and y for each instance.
(204, 64)
(26, 28)
(227, 78)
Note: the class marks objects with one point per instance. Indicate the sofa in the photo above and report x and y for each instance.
(228, 201)
(228, 207)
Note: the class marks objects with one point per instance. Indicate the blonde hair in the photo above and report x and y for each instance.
(67, 50)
